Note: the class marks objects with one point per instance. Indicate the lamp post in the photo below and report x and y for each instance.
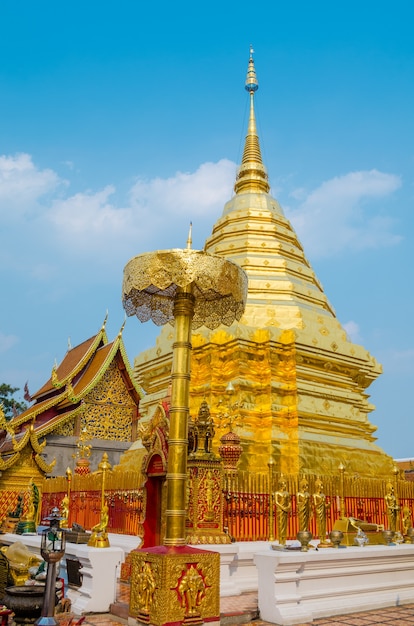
(52, 549)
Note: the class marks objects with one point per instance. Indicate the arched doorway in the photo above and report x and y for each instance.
(154, 502)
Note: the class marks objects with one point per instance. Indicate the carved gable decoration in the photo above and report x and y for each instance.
(108, 409)
(154, 437)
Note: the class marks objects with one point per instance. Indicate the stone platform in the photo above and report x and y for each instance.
(299, 587)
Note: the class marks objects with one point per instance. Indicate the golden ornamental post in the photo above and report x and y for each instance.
(271, 465)
(397, 499)
(342, 512)
(187, 288)
(99, 537)
(65, 504)
(178, 435)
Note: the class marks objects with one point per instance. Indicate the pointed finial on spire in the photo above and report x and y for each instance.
(122, 327)
(252, 84)
(190, 237)
(252, 174)
(69, 344)
(105, 320)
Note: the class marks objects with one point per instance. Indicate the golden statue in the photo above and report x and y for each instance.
(319, 504)
(303, 504)
(99, 537)
(32, 502)
(28, 522)
(392, 507)
(20, 560)
(406, 520)
(283, 506)
(64, 512)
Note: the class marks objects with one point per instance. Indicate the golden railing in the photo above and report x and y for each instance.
(248, 517)
(124, 495)
(246, 496)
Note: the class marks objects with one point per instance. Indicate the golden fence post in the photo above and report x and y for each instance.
(342, 512)
(270, 465)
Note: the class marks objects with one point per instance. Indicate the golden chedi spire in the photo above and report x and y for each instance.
(252, 174)
(254, 233)
(301, 383)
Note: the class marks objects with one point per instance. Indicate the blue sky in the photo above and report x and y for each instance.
(121, 122)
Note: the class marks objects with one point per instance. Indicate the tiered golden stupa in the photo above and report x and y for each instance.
(300, 384)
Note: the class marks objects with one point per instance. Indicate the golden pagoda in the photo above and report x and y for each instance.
(299, 383)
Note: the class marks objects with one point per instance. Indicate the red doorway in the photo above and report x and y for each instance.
(153, 514)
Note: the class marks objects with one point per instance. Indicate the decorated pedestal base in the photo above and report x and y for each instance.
(175, 585)
(205, 503)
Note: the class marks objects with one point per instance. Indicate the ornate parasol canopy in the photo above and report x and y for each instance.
(151, 281)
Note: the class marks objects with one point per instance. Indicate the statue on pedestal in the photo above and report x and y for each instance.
(99, 537)
(392, 507)
(319, 504)
(303, 504)
(283, 506)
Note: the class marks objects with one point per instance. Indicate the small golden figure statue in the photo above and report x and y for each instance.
(406, 521)
(303, 503)
(32, 502)
(392, 507)
(64, 512)
(28, 522)
(99, 537)
(283, 506)
(319, 504)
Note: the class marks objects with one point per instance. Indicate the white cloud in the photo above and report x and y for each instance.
(335, 215)
(7, 342)
(22, 184)
(54, 227)
(87, 215)
(92, 223)
(200, 193)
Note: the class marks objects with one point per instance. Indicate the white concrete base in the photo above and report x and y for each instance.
(100, 570)
(238, 572)
(297, 587)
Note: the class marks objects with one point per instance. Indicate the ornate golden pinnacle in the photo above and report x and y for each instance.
(152, 280)
(189, 288)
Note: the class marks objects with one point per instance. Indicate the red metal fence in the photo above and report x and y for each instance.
(246, 512)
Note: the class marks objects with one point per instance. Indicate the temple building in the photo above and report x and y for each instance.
(89, 405)
(286, 378)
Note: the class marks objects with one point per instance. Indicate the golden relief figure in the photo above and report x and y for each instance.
(192, 590)
(283, 506)
(145, 588)
(209, 486)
